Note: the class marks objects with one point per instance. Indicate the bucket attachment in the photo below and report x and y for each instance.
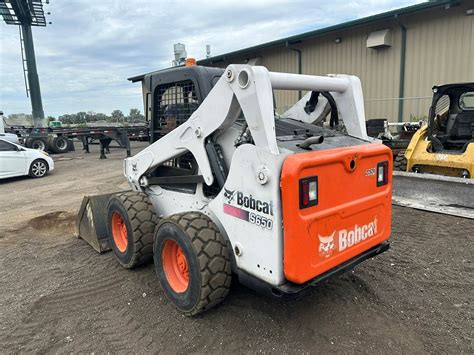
(434, 193)
(91, 223)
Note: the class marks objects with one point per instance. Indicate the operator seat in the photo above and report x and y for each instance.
(450, 123)
(462, 128)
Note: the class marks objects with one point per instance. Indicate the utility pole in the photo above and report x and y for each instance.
(32, 73)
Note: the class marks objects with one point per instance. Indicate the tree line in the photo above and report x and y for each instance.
(117, 116)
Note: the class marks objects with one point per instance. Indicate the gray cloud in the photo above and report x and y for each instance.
(85, 56)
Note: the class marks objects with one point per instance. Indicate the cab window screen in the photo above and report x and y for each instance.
(174, 104)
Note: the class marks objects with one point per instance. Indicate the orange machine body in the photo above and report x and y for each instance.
(352, 214)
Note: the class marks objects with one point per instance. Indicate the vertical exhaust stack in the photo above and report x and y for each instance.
(179, 55)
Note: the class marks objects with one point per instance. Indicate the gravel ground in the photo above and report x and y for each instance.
(58, 295)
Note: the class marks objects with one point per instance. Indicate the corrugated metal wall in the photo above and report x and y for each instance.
(377, 68)
(440, 49)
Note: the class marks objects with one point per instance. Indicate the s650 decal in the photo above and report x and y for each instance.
(246, 203)
(261, 221)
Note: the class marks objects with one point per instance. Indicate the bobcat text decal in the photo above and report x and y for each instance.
(346, 238)
(246, 203)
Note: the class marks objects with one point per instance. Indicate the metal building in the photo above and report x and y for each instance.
(398, 55)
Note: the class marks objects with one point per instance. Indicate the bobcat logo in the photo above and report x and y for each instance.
(229, 194)
(326, 245)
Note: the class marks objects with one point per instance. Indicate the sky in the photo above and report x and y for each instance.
(86, 55)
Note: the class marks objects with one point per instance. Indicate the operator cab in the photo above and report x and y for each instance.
(451, 120)
(170, 96)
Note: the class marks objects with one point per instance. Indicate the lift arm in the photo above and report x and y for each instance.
(248, 89)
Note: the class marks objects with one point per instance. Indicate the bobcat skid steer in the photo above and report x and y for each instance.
(232, 190)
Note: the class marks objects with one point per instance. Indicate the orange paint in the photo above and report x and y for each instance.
(352, 215)
(175, 266)
(119, 232)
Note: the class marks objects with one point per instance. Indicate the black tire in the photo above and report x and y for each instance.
(58, 144)
(38, 168)
(400, 162)
(139, 220)
(36, 143)
(207, 260)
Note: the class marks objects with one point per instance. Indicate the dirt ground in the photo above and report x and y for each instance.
(58, 295)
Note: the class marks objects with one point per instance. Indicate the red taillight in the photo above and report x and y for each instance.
(382, 173)
(309, 192)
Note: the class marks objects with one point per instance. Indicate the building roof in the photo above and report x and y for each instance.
(300, 37)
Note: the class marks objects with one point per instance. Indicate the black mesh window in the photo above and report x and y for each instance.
(174, 104)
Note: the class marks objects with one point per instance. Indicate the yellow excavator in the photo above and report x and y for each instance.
(445, 145)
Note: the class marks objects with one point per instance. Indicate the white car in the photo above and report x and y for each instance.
(9, 137)
(16, 160)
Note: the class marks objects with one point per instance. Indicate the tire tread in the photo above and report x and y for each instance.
(213, 257)
(143, 220)
(400, 162)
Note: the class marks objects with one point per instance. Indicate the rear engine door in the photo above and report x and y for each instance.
(336, 204)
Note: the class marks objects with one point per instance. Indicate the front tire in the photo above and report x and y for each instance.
(131, 223)
(192, 262)
(38, 168)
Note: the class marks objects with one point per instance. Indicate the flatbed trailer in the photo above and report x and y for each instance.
(60, 140)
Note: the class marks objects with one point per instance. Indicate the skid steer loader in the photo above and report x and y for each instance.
(445, 145)
(437, 169)
(228, 187)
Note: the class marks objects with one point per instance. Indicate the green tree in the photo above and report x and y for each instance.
(81, 117)
(101, 117)
(117, 116)
(66, 119)
(135, 116)
(91, 116)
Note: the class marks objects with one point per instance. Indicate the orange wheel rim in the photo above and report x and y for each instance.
(119, 232)
(175, 266)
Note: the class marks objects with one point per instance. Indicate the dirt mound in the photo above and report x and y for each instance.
(54, 221)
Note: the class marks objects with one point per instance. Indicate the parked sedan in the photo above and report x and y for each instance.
(16, 160)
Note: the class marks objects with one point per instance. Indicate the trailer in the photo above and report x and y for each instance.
(59, 140)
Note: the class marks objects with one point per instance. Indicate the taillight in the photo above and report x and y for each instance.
(382, 173)
(309, 192)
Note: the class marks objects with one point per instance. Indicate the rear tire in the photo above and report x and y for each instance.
(192, 262)
(131, 223)
(36, 143)
(38, 168)
(400, 162)
(58, 144)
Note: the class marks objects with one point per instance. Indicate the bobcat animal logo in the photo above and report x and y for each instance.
(326, 245)
(229, 194)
